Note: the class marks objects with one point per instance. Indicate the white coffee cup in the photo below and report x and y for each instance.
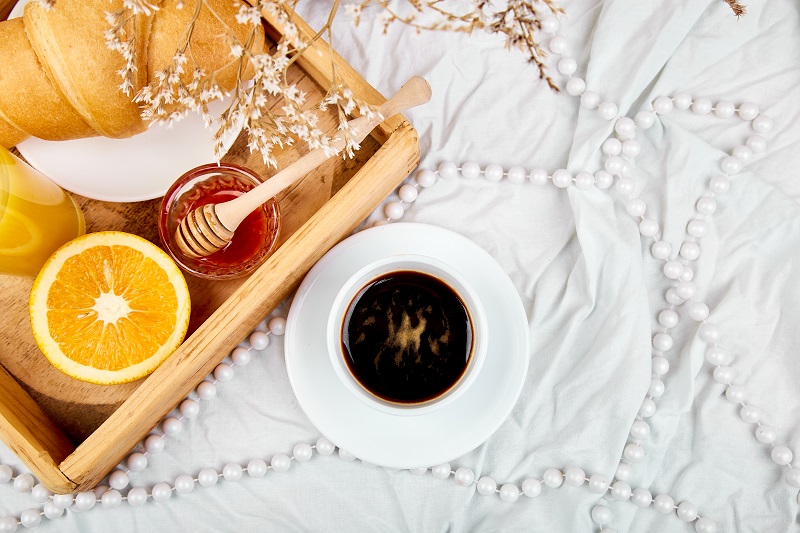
(406, 263)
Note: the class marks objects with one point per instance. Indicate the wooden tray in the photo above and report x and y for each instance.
(70, 433)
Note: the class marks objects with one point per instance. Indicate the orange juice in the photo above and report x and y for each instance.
(36, 217)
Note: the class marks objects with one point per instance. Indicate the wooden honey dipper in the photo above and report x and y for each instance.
(207, 229)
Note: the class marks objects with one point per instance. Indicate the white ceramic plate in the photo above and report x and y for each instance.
(139, 168)
(407, 441)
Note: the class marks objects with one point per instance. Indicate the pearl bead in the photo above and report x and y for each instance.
(567, 66)
(257, 468)
(549, 24)
(686, 290)
(538, 176)
(603, 180)
(562, 178)
(793, 477)
(757, 143)
(324, 446)
(664, 504)
(614, 164)
(8, 523)
(516, 175)
(659, 366)
(612, 146)
(748, 111)
(575, 86)
(661, 249)
(636, 207)
(111, 499)
(717, 356)
(673, 270)
(731, 165)
(751, 413)
(486, 486)
(688, 273)
(464, 476)
(625, 186)
(682, 101)
(641, 497)
(280, 462)
(85, 500)
(696, 228)
(531, 487)
(662, 341)
(574, 476)
(51, 512)
(30, 518)
(743, 154)
(590, 100)
(645, 119)
(706, 205)
(24, 483)
(782, 455)
(648, 408)
(762, 124)
(241, 356)
(584, 180)
(601, 514)
(232, 472)
(672, 297)
(698, 311)
(598, 484)
(709, 333)
(277, 325)
(6, 473)
(620, 491)
(137, 462)
(553, 478)
(687, 511)
(631, 148)
(724, 109)
(137, 496)
(724, 374)
(40, 493)
(633, 452)
(690, 251)
(625, 127)
(470, 169)
(441, 471)
(407, 193)
(259, 339)
(705, 525)
(154, 443)
(206, 390)
(207, 477)
(393, 211)
(509, 493)
(62, 501)
(172, 426)
(557, 45)
(607, 110)
(184, 484)
(719, 184)
(656, 388)
(662, 105)
(494, 172)
(189, 409)
(425, 178)
(161, 492)
(624, 472)
(648, 227)
(447, 169)
(701, 106)
(766, 434)
(302, 451)
(735, 394)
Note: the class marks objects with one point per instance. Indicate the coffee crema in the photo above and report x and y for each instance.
(407, 337)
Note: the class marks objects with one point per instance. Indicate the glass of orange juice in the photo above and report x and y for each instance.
(36, 217)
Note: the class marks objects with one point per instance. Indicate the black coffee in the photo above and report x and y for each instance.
(407, 337)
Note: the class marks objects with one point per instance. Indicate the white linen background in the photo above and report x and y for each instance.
(589, 286)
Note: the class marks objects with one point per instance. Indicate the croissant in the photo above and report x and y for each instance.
(60, 81)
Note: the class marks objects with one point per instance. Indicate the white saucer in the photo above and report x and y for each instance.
(407, 441)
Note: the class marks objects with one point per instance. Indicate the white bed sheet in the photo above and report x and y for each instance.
(590, 288)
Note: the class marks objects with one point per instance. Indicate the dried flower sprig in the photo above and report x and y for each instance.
(738, 9)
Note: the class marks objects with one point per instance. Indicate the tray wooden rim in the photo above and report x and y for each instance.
(63, 468)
